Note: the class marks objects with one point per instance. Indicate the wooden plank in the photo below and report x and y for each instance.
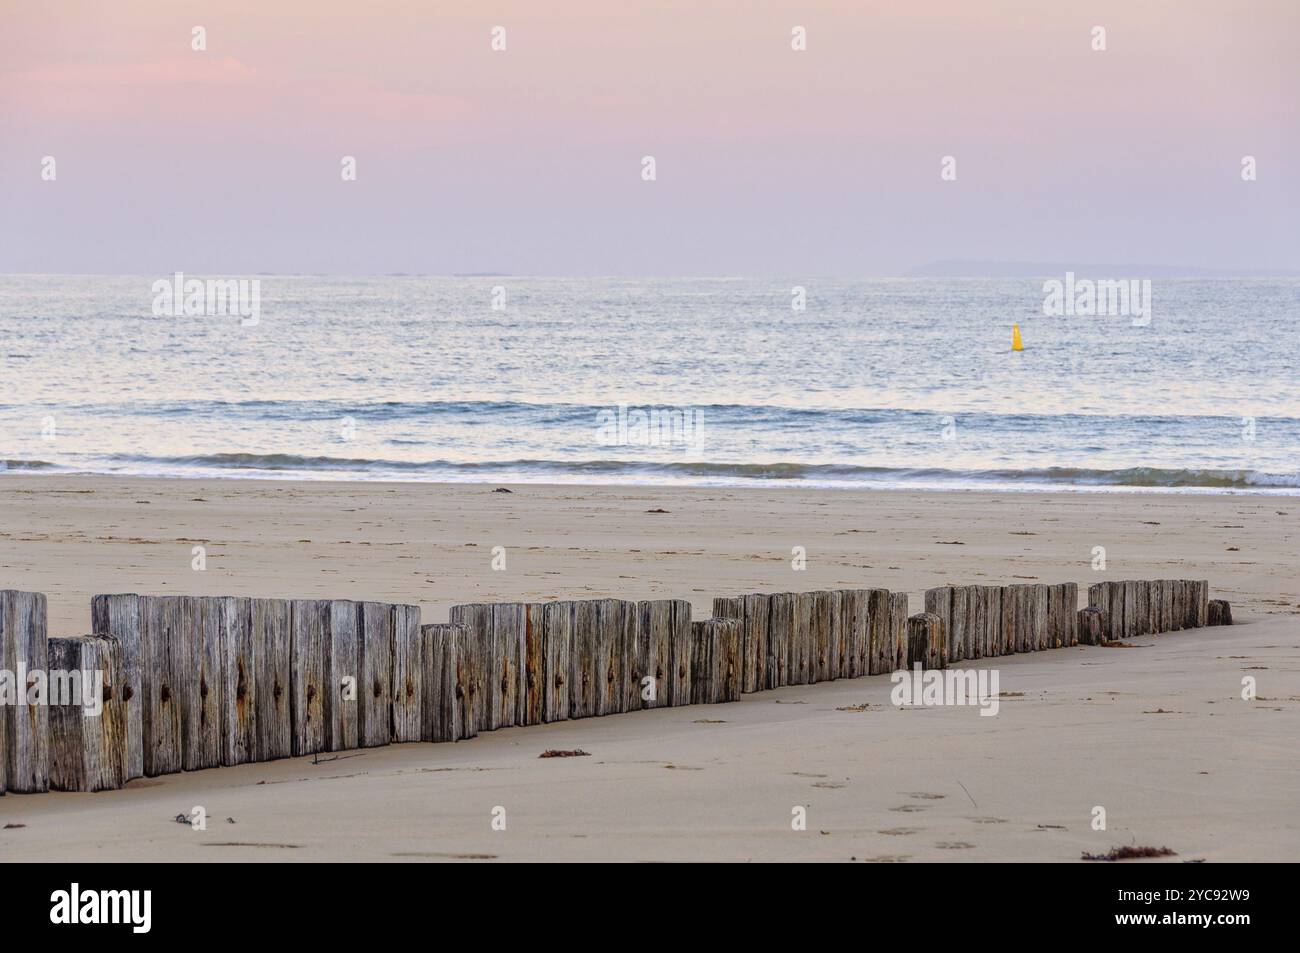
(680, 689)
(374, 673)
(957, 623)
(802, 639)
(506, 652)
(583, 659)
(976, 623)
(212, 686)
(408, 673)
(754, 641)
(87, 751)
(1038, 595)
(992, 621)
(729, 668)
(184, 649)
(309, 627)
(780, 637)
(1008, 624)
(557, 644)
(160, 627)
(857, 614)
(477, 618)
(938, 602)
(611, 656)
(119, 616)
(1115, 617)
(1219, 612)
(704, 649)
(438, 700)
(880, 653)
(829, 643)
(532, 704)
(469, 681)
(237, 715)
(898, 629)
(655, 651)
(343, 685)
(271, 631)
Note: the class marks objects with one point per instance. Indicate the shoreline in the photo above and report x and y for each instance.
(757, 484)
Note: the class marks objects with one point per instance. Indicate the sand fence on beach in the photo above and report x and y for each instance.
(183, 683)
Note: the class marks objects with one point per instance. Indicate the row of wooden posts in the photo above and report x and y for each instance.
(196, 682)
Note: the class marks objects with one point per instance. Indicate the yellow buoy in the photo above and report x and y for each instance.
(1016, 343)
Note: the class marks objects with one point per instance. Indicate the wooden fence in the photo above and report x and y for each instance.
(196, 682)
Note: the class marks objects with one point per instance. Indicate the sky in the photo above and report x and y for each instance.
(529, 160)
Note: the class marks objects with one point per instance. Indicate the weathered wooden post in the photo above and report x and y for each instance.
(441, 707)
(1099, 599)
(828, 607)
(938, 601)
(680, 671)
(1092, 626)
(408, 672)
(477, 619)
(236, 722)
(533, 688)
(1202, 602)
(973, 646)
(854, 632)
(654, 651)
(271, 627)
(309, 628)
(715, 657)
(582, 659)
(1115, 615)
(753, 649)
(617, 621)
(119, 616)
(992, 621)
(801, 639)
(780, 638)
(957, 623)
(165, 635)
(344, 686)
(374, 673)
(898, 629)
(212, 686)
(927, 643)
(1063, 615)
(557, 639)
(87, 750)
(1219, 612)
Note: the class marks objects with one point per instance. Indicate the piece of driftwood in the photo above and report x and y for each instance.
(309, 628)
(87, 750)
(271, 631)
(119, 616)
(1219, 612)
(927, 644)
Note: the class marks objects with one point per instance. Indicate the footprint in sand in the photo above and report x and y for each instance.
(953, 845)
(908, 808)
(899, 831)
(921, 795)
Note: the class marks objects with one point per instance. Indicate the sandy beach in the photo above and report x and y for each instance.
(1157, 734)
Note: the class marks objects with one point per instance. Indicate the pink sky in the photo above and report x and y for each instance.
(527, 161)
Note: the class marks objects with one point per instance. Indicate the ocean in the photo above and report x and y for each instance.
(891, 383)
